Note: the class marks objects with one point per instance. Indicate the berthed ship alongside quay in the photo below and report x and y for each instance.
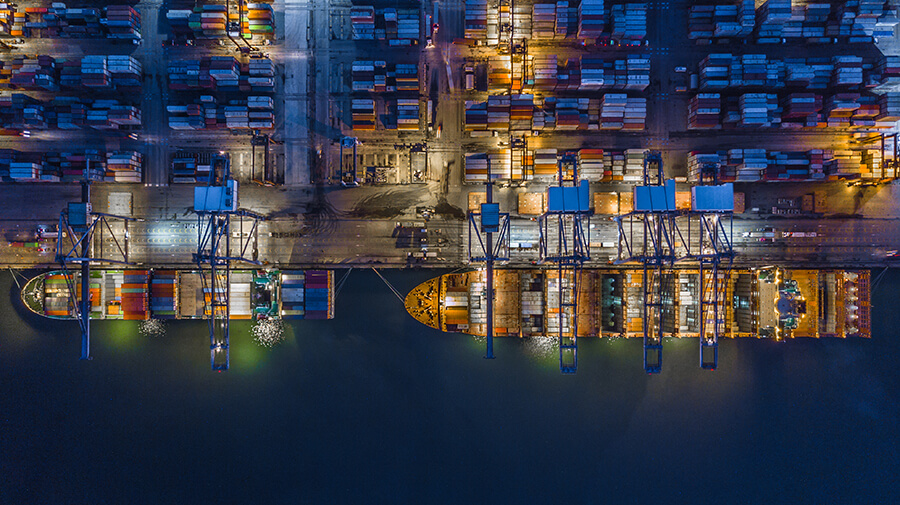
(135, 294)
(776, 303)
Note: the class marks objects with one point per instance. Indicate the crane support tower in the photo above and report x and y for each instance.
(564, 241)
(216, 205)
(482, 248)
(75, 245)
(655, 203)
(712, 215)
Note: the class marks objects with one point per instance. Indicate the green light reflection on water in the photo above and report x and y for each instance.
(121, 334)
(247, 355)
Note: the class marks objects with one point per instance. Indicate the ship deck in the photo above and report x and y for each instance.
(777, 303)
(181, 294)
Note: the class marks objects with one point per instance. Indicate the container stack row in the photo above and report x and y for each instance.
(117, 166)
(477, 166)
(774, 20)
(163, 285)
(555, 304)
(239, 306)
(293, 283)
(614, 111)
(408, 114)
(795, 110)
(591, 72)
(103, 72)
(255, 113)
(724, 20)
(363, 111)
(120, 22)
(184, 169)
(591, 19)
(400, 27)
(629, 21)
(754, 165)
(204, 21)
(56, 295)
(258, 19)
(595, 165)
(543, 21)
(476, 19)
(498, 112)
(759, 109)
(124, 166)
(867, 18)
(545, 163)
(563, 19)
(369, 76)
(771, 18)
(521, 112)
(499, 72)
(134, 295)
(362, 19)
(20, 112)
(12, 22)
(45, 73)
(379, 77)
(723, 71)
(591, 166)
(38, 73)
(222, 73)
(319, 303)
(123, 22)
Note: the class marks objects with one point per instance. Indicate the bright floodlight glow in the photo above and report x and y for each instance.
(268, 332)
(541, 346)
(153, 328)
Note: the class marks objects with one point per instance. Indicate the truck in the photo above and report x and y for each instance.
(48, 232)
(762, 234)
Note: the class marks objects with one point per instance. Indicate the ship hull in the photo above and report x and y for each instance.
(136, 294)
(777, 303)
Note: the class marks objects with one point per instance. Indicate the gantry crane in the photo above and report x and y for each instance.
(712, 209)
(75, 244)
(654, 213)
(564, 241)
(704, 235)
(215, 205)
(482, 226)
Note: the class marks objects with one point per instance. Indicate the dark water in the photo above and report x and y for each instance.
(374, 408)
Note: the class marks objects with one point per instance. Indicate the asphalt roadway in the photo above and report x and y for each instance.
(359, 226)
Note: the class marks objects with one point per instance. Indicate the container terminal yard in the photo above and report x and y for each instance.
(635, 169)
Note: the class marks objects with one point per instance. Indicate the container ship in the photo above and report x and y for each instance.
(766, 303)
(180, 294)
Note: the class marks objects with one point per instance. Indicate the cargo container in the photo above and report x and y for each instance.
(591, 19)
(629, 21)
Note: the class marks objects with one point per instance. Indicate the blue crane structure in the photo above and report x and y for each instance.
(712, 207)
(654, 216)
(565, 242)
(658, 234)
(75, 245)
(215, 205)
(482, 249)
